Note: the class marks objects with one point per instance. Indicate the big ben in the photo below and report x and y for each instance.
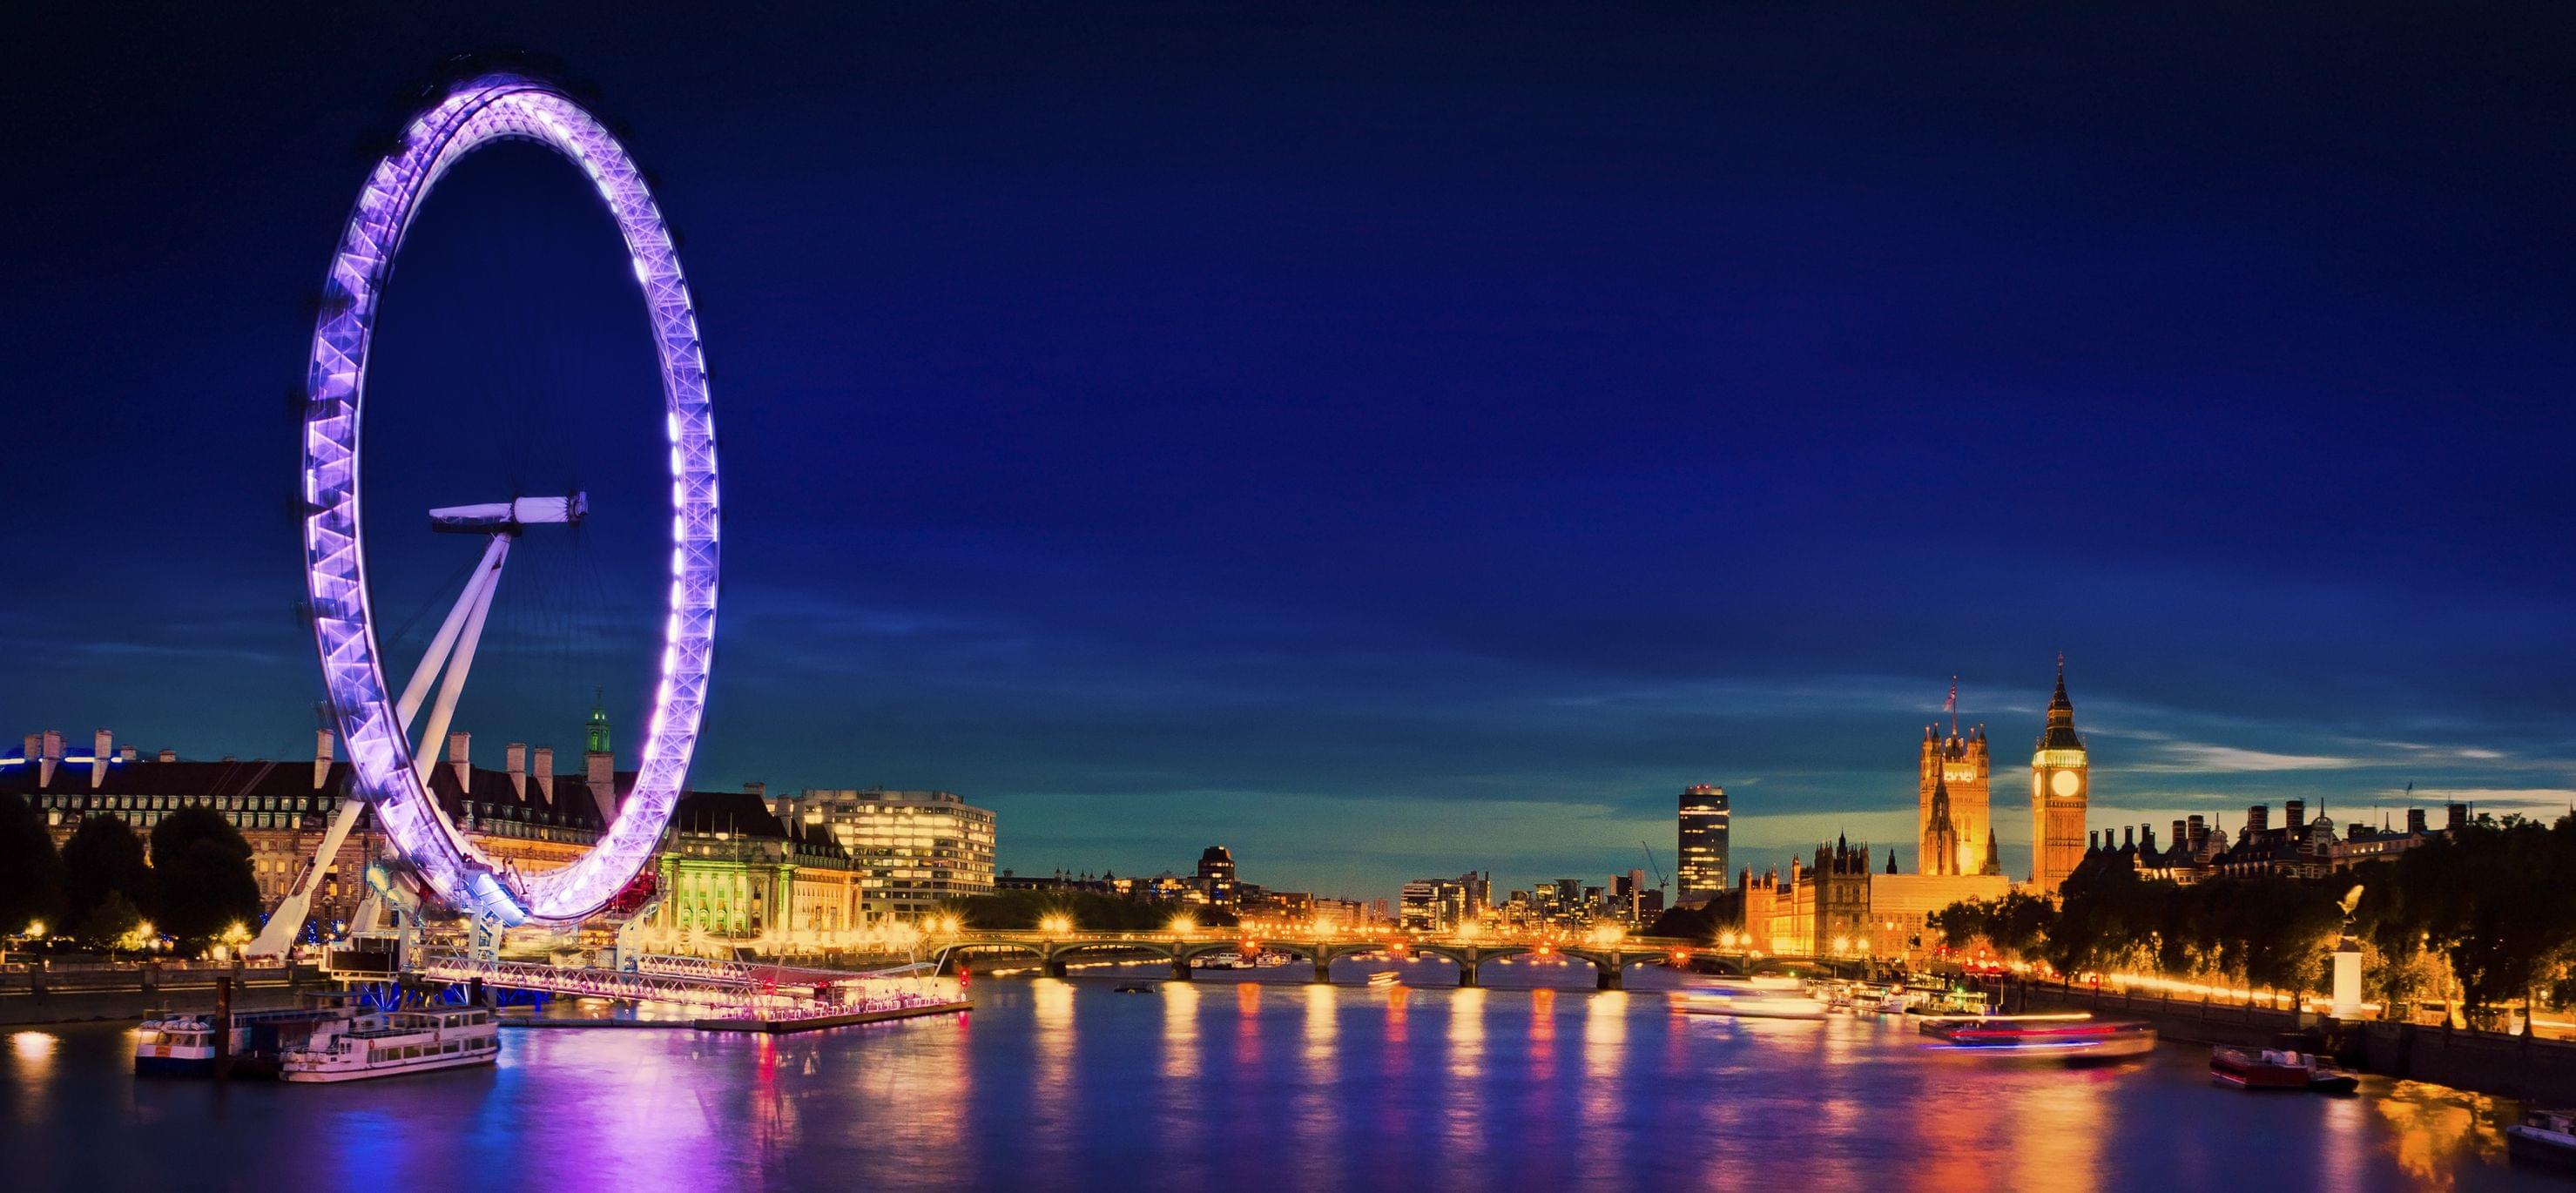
(2060, 785)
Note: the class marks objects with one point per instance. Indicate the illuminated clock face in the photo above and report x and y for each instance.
(2066, 783)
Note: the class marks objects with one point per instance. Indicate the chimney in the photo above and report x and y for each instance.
(2294, 817)
(101, 748)
(2128, 837)
(601, 775)
(53, 753)
(2181, 834)
(2258, 820)
(168, 756)
(2147, 838)
(2093, 841)
(2199, 830)
(125, 753)
(545, 771)
(517, 754)
(758, 791)
(321, 758)
(2415, 822)
(35, 747)
(460, 758)
(2459, 817)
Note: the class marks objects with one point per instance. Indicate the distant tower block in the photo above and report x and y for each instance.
(1702, 868)
(2060, 787)
(1959, 764)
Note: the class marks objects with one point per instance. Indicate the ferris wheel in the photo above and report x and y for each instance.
(388, 771)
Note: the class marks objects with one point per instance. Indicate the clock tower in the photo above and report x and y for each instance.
(2061, 784)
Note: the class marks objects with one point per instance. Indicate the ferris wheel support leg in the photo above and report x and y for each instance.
(445, 710)
(287, 921)
(477, 592)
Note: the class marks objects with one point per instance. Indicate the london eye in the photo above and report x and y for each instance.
(374, 717)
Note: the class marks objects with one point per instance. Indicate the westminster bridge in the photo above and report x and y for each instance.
(1053, 951)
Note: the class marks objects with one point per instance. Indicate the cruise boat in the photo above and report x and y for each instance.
(2544, 1137)
(2068, 1038)
(1759, 998)
(183, 1045)
(2273, 1068)
(397, 1042)
(1386, 977)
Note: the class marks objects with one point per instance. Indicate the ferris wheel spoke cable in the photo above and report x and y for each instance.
(387, 771)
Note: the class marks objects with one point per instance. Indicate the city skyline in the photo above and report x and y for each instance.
(1159, 459)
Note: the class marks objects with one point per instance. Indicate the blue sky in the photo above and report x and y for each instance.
(1385, 445)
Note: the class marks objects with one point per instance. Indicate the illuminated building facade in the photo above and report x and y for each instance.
(1701, 868)
(913, 850)
(1956, 766)
(1216, 876)
(731, 869)
(2060, 789)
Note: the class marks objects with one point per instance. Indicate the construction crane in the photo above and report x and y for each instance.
(1663, 885)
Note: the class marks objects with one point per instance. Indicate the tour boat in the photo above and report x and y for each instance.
(398, 1042)
(2070, 1038)
(1386, 977)
(2273, 1068)
(2544, 1137)
(183, 1045)
(1758, 998)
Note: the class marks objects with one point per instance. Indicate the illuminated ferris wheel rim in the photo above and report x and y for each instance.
(491, 108)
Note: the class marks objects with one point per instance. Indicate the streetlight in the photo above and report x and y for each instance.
(1183, 924)
(1057, 924)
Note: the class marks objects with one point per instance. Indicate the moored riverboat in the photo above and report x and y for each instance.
(398, 1042)
(2544, 1137)
(183, 1045)
(2273, 1068)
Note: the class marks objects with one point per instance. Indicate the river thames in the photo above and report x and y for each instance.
(1238, 1082)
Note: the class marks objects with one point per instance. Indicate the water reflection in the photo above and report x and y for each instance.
(2433, 1129)
(1058, 1084)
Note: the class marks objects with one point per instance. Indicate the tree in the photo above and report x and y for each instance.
(31, 873)
(114, 923)
(103, 858)
(201, 877)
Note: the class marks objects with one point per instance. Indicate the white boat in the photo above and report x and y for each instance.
(1760, 998)
(398, 1042)
(2544, 1137)
(1386, 977)
(183, 1045)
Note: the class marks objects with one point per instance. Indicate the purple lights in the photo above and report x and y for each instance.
(491, 108)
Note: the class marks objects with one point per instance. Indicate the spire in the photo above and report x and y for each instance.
(2060, 734)
(1994, 860)
(596, 729)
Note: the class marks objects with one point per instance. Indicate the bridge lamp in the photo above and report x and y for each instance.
(1184, 925)
(1056, 925)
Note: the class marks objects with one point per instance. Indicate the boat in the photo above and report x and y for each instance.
(2073, 1038)
(1386, 977)
(1759, 998)
(183, 1045)
(1133, 988)
(1219, 961)
(2543, 1137)
(2276, 1068)
(396, 1042)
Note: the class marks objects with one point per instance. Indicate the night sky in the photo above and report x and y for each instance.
(1387, 445)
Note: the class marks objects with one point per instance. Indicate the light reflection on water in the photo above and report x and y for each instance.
(1056, 1084)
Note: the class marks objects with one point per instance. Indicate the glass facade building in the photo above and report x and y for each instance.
(1701, 872)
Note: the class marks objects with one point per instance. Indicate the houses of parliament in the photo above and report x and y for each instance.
(1842, 904)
